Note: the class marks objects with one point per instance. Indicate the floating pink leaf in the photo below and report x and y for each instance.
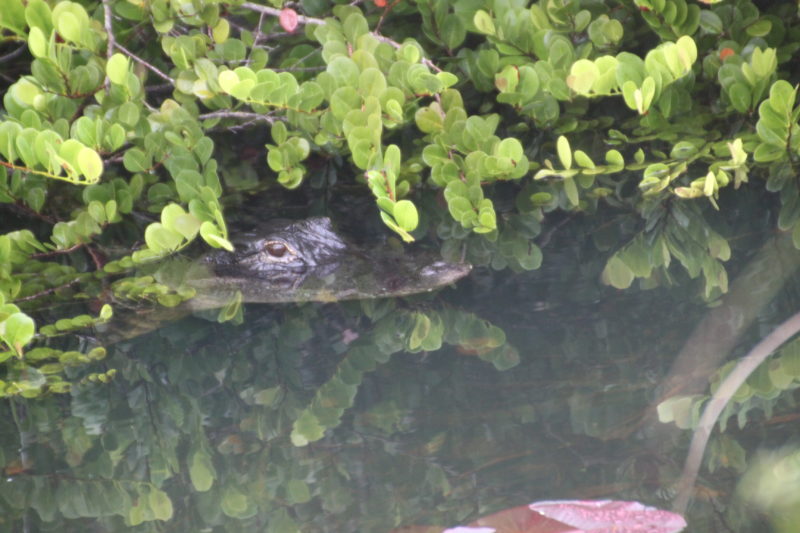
(607, 516)
(521, 520)
(466, 529)
(569, 516)
(288, 19)
(418, 529)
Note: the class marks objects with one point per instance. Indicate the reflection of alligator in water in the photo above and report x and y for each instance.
(307, 261)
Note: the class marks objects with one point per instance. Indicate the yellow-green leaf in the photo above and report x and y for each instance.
(117, 69)
(90, 164)
(564, 152)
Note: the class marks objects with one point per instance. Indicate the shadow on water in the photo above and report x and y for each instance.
(207, 426)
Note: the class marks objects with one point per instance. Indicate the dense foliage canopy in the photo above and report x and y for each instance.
(481, 126)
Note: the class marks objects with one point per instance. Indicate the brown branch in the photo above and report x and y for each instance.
(425, 61)
(311, 20)
(52, 253)
(109, 30)
(18, 206)
(143, 62)
(45, 292)
(13, 54)
(109, 37)
(746, 366)
(237, 114)
(301, 19)
(386, 12)
(300, 69)
(74, 96)
(257, 35)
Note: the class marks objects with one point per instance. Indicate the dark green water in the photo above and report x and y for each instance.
(195, 432)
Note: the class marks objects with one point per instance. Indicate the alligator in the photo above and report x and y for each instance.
(308, 261)
(290, 261)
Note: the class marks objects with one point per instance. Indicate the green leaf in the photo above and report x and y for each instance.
(160, 504)
(739, 94)
(422, 326)
(617, 273)
(429, 120)
(629, 90)
(306, 429)
(135, 160)
(452, 32)
(221, 31)
(117, 69)
(201, 471)
(687, 52)
(128, 113)
(242, 89)
(37, 43)
(571, 190)
(759, 28)
(38, 15)
(17, 330)
(564, 152)
(279, 132)
(106, 312)
(405, 213)
(161, 239)
(710, 22)
(211, 233)
(582, 76)
(483, 21)
(227, 80)
(764, 153)
(763, 62)
(90, 164)
(583, 160)
(782, 96)
(298, 491)
(391, 159)
(648, 93)
(69, 27)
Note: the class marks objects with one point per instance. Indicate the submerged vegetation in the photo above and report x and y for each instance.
(652, 132)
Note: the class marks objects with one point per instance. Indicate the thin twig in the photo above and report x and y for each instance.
(302, 59)
(311, 20)
(15, 53)
(109, 30)
(237, 114)
(59, 251)
(159, 88)
(279, 35)
(145, 63)
(425, 61)
(277, 12)
(386, 11)
(109, 37)
(299, 69)
(45, 292)
(24, 210)
(257, 35)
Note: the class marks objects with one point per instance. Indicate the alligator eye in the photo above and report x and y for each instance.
(276, 249)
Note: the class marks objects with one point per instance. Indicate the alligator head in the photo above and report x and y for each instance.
(307, 260)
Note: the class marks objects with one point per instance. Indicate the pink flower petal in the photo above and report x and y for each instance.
(606, 516)
(288, 19)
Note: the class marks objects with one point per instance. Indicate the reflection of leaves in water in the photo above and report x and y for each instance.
(199, 425)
